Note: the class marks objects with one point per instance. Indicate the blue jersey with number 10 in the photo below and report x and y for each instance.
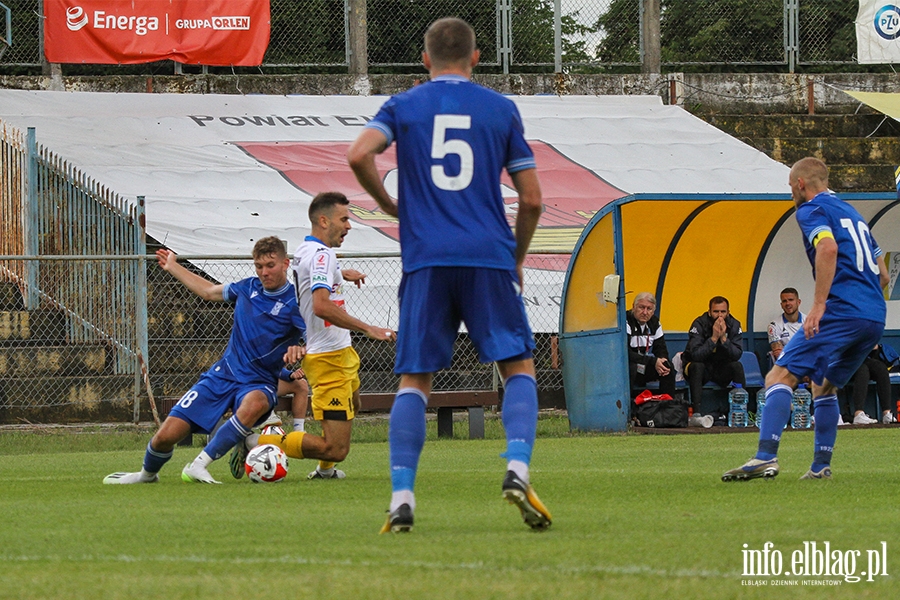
(454, 138)
(856, 289)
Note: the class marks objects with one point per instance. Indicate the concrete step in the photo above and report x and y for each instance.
(66, 399)
(861, 178)
(834, 151)
(796, 126)
(190, 322)
(41, 326)
(48, 361)
(10, 297)
(183, 356)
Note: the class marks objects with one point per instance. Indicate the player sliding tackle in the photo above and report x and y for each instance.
(461, 261)
(267, 328)
(331, 364)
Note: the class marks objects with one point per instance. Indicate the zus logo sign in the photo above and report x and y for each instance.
(887, 22)
(76, 18)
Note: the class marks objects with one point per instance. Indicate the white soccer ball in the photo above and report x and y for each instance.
(272, 430)
(266, 464)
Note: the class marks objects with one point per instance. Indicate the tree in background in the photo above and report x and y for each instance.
(730, 31)
(620, 26)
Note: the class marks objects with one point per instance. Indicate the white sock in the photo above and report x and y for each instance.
(252, 441)
(147, 475)
(519, 468)
(203, 459)
(403, 497)
(299, 424)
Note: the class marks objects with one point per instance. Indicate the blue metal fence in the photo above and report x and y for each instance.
(62, 232)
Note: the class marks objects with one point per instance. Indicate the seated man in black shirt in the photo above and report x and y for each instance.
(648, 357)
(713, 351)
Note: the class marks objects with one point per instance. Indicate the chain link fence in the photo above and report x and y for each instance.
(522, 34)
(55, 368)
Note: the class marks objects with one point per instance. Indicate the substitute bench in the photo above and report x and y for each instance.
(445, 403)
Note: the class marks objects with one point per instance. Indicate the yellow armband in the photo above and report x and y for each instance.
(821, 236)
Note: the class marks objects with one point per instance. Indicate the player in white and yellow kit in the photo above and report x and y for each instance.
(331, 364)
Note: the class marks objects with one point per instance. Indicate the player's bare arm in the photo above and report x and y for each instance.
(361, 157)
(354, 276)
(826, 263)
(884, 277)
(204, 288)
(530, 207)
(327, 310)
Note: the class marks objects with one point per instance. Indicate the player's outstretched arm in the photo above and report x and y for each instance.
(361, 157)
(204, 288)
(325, 309)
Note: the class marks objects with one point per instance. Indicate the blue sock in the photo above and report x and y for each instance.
(520, 411)
(827, 414)
(154, 460)
(226, 438)
(775, 416)
(406, 437)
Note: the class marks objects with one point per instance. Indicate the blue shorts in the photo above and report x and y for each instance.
(209, 399)
(433, 302)
(835, 353)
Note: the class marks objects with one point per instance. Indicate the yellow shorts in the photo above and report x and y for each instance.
(333, 377)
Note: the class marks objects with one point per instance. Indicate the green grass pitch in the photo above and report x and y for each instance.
(635, 516)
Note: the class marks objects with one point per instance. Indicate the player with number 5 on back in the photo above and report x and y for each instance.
(461, 260)
(844, 324)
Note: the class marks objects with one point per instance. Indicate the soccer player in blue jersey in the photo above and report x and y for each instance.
(844, 323)
(265, 337)
(461, 260)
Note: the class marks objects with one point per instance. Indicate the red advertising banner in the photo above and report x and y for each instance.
(202, 32)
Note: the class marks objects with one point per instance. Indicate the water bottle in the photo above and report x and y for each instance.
(760, 403)
(800, 416)
(737, 407)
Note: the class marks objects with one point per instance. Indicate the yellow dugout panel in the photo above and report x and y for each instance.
(648, 227)
(584, 308)
(716, 256)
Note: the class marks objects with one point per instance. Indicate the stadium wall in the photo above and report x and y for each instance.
(717, 92)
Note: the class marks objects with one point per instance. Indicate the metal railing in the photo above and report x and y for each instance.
(61, 287)
(526, 34)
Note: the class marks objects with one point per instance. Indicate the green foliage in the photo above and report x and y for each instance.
(635, 516)
(722, 31)
(307, 32)
(730, 31)
(621, 26)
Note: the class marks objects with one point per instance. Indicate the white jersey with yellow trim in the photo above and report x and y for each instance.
(315, 266)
